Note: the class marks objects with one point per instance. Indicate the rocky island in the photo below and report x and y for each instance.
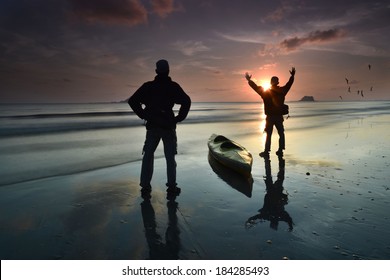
(307, 98)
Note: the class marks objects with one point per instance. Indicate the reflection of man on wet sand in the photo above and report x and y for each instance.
(157, 249)
(274, 200)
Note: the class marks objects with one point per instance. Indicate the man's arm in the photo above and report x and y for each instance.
(253, 85)
(287, 87)
(136, 104)
(185, 103)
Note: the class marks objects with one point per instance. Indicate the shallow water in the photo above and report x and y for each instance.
(43, 140)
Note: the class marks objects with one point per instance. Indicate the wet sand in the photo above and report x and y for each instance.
(335, 189)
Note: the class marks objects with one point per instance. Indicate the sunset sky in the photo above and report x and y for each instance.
(103, 50)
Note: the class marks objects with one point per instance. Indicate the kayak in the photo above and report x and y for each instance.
(230, 154)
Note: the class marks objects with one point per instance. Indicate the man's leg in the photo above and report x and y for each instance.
(152, 139)
(269, 126)
(170, 150)
(280, 128)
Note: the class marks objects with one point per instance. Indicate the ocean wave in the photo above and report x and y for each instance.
(68, 115)
(26, 115)
(62, 119)
(46, 123)
(26, 129)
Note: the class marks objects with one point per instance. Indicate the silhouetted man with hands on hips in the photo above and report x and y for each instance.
(154, 102)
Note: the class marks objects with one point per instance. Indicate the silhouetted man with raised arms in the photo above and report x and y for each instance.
(273, 99)
(154, 102)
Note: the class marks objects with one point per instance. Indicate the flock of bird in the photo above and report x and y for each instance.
(359, 92)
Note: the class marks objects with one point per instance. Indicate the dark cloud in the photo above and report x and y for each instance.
(38, 19)
(127, 12)
(313, 37)
(281, 12)
(163, 7)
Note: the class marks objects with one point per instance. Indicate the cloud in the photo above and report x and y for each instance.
(205, 67)
(163, 7)
(255, 38)
(279, 13)
(270, 50)
(313, 37)
(190, 48)
(126, 12)
(268, 66)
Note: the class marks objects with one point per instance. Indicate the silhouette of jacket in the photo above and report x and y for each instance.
(159, 97)
(273, 98)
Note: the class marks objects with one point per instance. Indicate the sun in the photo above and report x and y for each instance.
(265, 84)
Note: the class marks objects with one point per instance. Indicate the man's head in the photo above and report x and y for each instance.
(274, 81)
(162, 67)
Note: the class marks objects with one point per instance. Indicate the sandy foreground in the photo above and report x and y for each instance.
(336, 186)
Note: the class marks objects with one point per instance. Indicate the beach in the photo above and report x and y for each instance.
(69, 185)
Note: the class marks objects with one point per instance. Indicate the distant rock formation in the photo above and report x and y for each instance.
(307, 98)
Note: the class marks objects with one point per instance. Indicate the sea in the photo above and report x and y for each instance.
(69, 180)
(45, 140)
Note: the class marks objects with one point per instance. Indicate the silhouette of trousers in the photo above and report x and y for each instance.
(270, 122)
(153, 137)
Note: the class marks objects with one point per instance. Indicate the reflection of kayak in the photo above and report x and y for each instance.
(243, 184)
(230, 154)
